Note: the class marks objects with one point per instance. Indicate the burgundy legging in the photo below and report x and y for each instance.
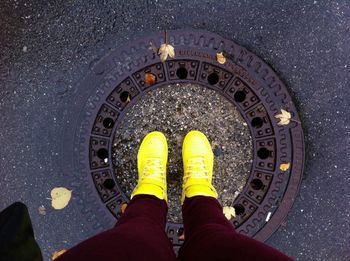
(140, 235)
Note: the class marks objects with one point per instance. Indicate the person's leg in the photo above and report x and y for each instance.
(210, 236)
(138, 235)
(140, 232)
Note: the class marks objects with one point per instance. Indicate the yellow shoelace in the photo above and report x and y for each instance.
(153, 170)
(196, 168)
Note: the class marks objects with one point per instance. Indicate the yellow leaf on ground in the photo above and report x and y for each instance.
(56, 254)
(220, 58)
(166, 50)
(284, 117)
(229, 212)
(123, 207)
(284, 166)
(60, 197)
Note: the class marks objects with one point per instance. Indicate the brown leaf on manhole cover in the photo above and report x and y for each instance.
(58, 253)
(220, 58)
(182, 237)
(284, 117)
(150, 78)
(123, 207)
(284, 166)
(229, 212)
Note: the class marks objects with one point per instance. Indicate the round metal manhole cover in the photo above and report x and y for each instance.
(121, 79)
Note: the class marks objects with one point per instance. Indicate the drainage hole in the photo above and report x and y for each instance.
(263, 153)
(180, 231)
(213, 78)
(102, 154)
(182, 73)
(125, 96)
(108, 123)
(109, 183)
(239, 209)
(257, 122)
(239, 96)
(256, 184)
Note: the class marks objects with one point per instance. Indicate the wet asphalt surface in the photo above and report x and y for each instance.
(46, 48)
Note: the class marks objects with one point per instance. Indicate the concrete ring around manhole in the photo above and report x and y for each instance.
(119, 80)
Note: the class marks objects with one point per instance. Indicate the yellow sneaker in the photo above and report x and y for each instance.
(198, 160)
(151, 163)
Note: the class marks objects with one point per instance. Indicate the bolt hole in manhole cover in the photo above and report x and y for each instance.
(236, 103)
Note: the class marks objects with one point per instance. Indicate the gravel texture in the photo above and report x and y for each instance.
(175, 110)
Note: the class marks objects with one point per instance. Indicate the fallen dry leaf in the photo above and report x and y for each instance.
(42, 210)
(182, 237)
(284, 117)
(284, 166)
(150, 78)
(60, 197)
(56, 254)
(166, 50)
(123, 207)
(229, 212)
(220, 58)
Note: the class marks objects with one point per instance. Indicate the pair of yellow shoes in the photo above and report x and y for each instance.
(198, 162)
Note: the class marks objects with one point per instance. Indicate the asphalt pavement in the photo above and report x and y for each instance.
(47, 47)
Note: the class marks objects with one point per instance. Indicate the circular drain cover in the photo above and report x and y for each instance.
(120, 79)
